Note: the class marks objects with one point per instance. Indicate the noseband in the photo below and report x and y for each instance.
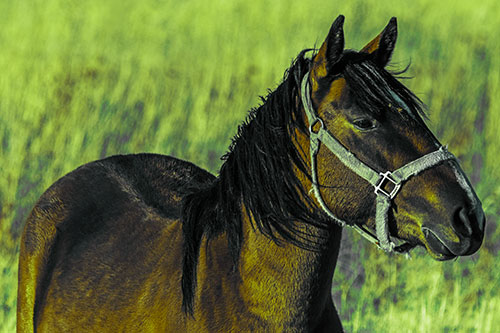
(377, 179)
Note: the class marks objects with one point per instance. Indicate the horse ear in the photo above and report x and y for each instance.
(383, 45)
(330, 51)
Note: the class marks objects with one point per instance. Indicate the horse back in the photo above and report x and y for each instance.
(104, 244)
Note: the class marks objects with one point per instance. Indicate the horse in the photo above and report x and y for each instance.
(149, 242)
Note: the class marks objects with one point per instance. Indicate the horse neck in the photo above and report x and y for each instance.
(285, 279)
(277, 279)
(296, 279)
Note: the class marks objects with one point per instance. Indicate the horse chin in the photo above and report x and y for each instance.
(441, 256)
(438, 250)
(434, 246)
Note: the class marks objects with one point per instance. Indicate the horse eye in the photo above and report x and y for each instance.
(364, 124)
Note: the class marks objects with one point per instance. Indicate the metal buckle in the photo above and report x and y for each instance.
(382, 181)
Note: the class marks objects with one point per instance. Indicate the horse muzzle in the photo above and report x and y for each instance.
(464, 236)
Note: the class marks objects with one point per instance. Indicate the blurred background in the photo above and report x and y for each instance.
(82, 80)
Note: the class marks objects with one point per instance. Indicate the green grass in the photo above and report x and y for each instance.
(80, 80)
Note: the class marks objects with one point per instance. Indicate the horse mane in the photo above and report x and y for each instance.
(257, 176)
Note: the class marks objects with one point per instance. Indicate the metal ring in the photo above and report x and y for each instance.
(314, 122)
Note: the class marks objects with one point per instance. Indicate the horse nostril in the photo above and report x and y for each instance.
(462, 223)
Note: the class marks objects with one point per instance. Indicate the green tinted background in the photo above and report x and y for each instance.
(81, 80)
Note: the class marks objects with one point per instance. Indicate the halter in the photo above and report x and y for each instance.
(379, 180)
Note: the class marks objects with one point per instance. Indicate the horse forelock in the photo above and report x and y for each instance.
(374, 89)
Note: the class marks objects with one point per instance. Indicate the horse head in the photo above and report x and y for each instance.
(356, 102)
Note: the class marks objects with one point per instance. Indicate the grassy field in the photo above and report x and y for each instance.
(81, 80)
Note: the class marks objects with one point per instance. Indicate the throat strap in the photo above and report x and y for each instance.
(379, 180)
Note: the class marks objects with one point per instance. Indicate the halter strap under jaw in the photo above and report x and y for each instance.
(377, 179)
